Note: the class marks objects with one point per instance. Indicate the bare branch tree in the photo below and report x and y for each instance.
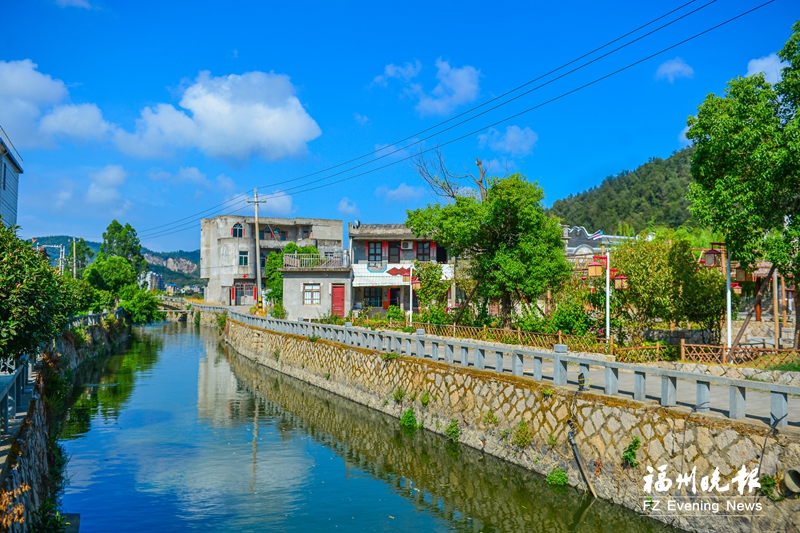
(443, 181)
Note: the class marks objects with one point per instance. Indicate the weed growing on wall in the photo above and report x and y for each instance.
(452, 431)
(408, 420)
(389, 356)
(425, 399)
(557, 477)
(489, 418)
(197, 318)
(313, 338)
(276, 354)
(221, 320)
(629, 455)
(522, 435)
(399, 394)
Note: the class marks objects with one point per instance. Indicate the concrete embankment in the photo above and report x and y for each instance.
(526, 422)
(28, 460)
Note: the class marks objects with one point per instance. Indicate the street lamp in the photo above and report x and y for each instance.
(713, 257)
(621, 282)
(737, 289)
(595, 269)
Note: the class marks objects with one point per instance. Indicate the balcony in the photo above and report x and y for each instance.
(334, 261)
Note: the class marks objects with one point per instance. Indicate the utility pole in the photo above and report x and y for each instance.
(255, 201)
(74, 258)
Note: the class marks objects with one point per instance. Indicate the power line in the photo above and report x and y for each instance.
(466, 112)
(562, 95)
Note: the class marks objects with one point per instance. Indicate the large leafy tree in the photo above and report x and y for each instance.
(514, 249)
(110, 273)
(122, 241)
(746, 165)
(34, 302)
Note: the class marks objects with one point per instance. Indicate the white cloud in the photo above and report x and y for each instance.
(406, 73)
(231, 117)
(104, 188)
(347, 206)
(74, 3)
(456, 86)
(402, 193)
(361, 119)
(34, 108)
(515, 141)
(225, 183)
(770, 65)
(63, 196)
(278, 203)
(682, 139)
(673, 69)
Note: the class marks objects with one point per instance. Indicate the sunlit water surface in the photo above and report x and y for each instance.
(179, 433)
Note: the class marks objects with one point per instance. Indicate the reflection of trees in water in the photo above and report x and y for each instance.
(109, 383)
(471, 490)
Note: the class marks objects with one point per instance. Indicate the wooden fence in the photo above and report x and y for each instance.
(747, 356)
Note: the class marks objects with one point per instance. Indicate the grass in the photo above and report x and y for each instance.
(425, 399)
(328, 375)
(551, 440)
(629, 455)
(547, 392)
(504, 434)
(398, 394)
(389, 356)
(276, 354)
(489, 418)
(557, 478)
(522, 435)
(452, 431)
(409, 420)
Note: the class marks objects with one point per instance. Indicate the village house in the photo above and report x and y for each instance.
(228, 257)
(10, 169)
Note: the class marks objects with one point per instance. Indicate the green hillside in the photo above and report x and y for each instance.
(653, 194)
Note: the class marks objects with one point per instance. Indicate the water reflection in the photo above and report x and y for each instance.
(180, 433)
(459, 484)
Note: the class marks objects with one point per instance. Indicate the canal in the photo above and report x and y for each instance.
(180, 433)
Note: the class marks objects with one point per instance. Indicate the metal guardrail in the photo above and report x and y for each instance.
(445, 349)
(12, 390)
(316, 261)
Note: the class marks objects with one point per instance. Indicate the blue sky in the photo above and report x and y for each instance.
(150, 112)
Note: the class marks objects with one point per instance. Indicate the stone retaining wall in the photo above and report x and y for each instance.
(28, 459)
(490, 410)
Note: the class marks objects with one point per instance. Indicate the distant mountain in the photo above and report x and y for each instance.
(653, 194)
(181, 267)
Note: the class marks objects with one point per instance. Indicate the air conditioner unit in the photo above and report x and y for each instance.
(407, 245)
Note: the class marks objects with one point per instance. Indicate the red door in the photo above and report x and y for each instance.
(337, 300)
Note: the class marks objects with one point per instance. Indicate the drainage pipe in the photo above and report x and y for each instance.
(571, 438)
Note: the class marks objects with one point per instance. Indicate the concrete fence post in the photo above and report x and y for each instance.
(612, 381)
(639, 386)
(668, 391)
(435, 350)
(537, 368)
(420, 352)
(498, 361)
(516, 363)
(703, 401)
(449, 358)
(464, 356)
(480, 358)
(559, 366)
(584, 369)
(347, 327)
(779, 408)
(737, 405)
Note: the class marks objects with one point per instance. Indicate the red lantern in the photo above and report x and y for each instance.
(736, 288)
(621, 282)
(595, 269)
(713, 258)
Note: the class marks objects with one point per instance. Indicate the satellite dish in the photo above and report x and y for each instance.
(356, 224)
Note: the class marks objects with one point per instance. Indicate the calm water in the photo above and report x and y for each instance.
(180, 434)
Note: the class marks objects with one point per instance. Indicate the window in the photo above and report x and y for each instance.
(237, 231)
(373, 296)
(376, 252)
(423, 251)
(263, 260)
(243, 258)
(311, 294)
(394, 251)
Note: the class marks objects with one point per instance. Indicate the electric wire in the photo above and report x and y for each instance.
(299, 189)
(466, 112)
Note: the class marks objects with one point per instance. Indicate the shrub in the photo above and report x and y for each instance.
(221, 319)
(395, 313)
(522, 435)
(408, 420)
(768, 485)
(278, 310)
(197, 318)
(389, 356)
(548, 393)
(142, 306)
(313, 338)
(629, 455)
(557, 478)
(452, 431)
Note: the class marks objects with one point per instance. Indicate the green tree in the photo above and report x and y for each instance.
(746, 166)
(34, 303)
(122, 241)
(514, 248)
(110, 273)
(83, 253)
(273, 277)
(432, 290)
(142, 307)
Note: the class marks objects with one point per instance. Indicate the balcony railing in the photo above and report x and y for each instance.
(316, 261)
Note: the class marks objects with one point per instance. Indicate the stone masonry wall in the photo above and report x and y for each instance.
(28, 458)
(605, 425)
